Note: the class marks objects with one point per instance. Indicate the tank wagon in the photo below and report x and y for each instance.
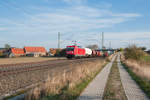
(88, 52)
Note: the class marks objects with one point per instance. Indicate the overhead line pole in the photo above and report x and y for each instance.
(58, 40)
(109, 44)
(102, 40)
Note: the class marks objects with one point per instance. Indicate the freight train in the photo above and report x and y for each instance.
(78, 52)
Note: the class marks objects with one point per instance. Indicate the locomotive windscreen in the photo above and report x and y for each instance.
(70, 49)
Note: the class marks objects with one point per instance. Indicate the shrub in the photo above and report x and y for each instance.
(133, 52)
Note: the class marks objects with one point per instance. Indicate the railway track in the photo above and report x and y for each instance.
(11, 69)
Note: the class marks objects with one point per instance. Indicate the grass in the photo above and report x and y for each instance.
(146, 58)
(12, 96)
(67, 85)
(142, 82)
(69, 94)
(73, 93)
(114, 89)
(87, 69)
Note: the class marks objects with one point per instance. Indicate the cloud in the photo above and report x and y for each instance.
(74, 1)
(3, 29)
(127, 15)
(123, 39)
(80, 20)
(72, 19)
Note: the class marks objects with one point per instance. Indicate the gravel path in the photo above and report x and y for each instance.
(132, 90)
(95, 89)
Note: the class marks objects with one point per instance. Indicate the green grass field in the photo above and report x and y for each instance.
(146, 58)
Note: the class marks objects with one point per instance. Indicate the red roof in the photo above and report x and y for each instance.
(17, 51)
(35, 49)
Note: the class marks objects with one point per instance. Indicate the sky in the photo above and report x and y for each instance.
(37, 22)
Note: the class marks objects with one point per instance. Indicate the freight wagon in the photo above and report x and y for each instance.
(88, 52)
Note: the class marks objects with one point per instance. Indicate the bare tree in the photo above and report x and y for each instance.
(143, 48)
(94, 46)
(7, 46)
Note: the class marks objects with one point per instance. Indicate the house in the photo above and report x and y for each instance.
(35, 51)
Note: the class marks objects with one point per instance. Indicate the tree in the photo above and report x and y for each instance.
(143, 48)
(94, 46)
(103, 47)
(133, 52)
(121, 49)
(7, 46)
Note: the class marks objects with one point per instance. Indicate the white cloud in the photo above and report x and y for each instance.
(3, 29)
(75, 19)
(71, 19)
(122, 39)
(127, 15)
(74, 1)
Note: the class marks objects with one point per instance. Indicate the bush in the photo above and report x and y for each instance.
(133, 52)
(60, 53)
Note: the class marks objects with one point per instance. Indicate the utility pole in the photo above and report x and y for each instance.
(102, 40)
(58, 40)
(109, 44)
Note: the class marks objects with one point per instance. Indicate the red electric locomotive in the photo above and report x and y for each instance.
(74, 51)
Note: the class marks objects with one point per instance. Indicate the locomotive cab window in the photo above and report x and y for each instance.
(70, 49)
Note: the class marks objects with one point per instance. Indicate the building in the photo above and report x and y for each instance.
(16, 52)
(35, 51)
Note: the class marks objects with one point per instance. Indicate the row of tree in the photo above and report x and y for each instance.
(7, 46)
(134, 52)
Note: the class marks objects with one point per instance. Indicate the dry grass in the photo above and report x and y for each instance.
(110, 57)
(26, 59)
(141, 68)
(134, 52)
(67, 80)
